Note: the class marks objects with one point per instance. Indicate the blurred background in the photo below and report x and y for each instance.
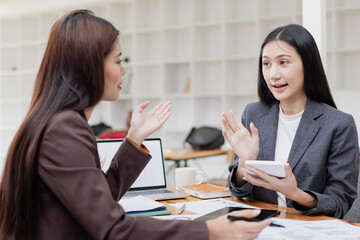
(200, 54)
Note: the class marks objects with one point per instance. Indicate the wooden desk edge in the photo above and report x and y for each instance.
(198, 154)
(285, 212)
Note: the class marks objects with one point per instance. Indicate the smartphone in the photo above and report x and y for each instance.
(264, 214)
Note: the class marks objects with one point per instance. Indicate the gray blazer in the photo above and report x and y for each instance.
(324, 156)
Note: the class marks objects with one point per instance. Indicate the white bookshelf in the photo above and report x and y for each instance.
(214, 43)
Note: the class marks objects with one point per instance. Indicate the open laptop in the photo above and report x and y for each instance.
(151, 183)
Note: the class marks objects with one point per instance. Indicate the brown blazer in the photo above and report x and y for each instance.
(78, 201)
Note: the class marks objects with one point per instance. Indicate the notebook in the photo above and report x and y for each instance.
(151, 183)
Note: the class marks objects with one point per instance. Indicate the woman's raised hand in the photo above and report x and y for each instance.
(244, 143)
(144, 124)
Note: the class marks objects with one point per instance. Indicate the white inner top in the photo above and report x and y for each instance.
(286, 131)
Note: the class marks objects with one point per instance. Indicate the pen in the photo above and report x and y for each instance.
(182, 208)
(234, 218)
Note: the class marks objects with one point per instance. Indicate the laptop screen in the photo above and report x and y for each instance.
(153, 175)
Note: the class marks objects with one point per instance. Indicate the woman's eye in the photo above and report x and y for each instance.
(284, 62)
(119, 62)
(266, 64)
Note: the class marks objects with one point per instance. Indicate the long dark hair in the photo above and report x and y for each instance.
(315, 82)
(71, 76)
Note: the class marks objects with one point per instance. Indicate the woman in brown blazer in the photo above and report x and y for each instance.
(52, 186)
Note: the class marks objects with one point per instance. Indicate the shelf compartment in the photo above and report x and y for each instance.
(127, 81)
(28, 28)
(347, 37)
(207, 111)
(177, 12)
(24, 108)
(347, 4)
(6, 138)
(29, 57)
(120, 112)
(240, 39)
(207, 42)
(177, 78)
(240, 9)
(121, 16)
(329, 34)
(177, 45)
(9, 31)
(349, 62)
(126, 42)
(27, 84)
(207, 77)
(241, 77)
(9, 59)
(148, 47)
(180, 114)
(10, 86)
(278, 7)
(207, 10)
(10, 113)
(330, 72)
(148, 14)
(149, 80)
(238, 104)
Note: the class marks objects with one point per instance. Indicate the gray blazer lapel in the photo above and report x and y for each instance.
(306, 132)
(268, 131)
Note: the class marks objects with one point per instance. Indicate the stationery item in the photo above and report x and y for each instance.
(187, 86)
(142, 206)
(150, 213)
(152, 180)
(273, 168)
(206, 190)
(182, 208)
(187, 176)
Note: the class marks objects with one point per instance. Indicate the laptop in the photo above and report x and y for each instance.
(151, 182)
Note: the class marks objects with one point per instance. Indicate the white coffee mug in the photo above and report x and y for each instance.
(187, 176)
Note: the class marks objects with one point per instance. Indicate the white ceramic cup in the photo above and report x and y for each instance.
(187, 176)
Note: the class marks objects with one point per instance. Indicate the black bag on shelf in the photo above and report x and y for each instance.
(205, 138)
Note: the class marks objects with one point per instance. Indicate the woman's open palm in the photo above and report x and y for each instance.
(144, 124)
(244, 143)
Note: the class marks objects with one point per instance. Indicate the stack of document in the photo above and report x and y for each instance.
(142, 206)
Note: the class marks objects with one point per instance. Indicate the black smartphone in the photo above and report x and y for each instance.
(264, 214)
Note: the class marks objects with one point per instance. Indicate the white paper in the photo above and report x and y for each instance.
(139, 203)
(310, 230)
(206, 206)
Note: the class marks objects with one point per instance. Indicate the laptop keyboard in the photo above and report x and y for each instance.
(147, 192)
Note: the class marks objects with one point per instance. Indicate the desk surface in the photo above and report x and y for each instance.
(285, 212)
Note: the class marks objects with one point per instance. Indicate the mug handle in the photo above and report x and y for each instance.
(202, 177)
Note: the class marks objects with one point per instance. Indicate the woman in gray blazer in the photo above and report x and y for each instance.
(296, 122)
(52, 185)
